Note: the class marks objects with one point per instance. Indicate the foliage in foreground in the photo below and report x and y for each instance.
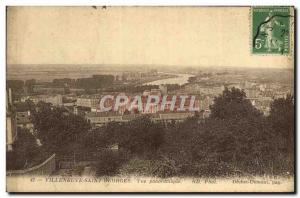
(235, 140)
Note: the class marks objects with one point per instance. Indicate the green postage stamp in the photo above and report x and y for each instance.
(271, 30)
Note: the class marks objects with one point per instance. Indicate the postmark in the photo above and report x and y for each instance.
(271, 30)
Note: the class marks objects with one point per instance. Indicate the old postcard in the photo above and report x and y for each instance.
(150, 99)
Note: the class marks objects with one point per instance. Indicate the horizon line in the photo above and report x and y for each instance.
(149, 65)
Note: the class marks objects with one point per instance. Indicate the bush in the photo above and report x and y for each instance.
(109, 163)
(25, 150)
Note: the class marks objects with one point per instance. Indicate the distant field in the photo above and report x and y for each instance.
(48, 72)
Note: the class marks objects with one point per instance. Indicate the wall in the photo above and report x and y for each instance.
(45, 168)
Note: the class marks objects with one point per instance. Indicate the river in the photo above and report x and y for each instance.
(180, 80)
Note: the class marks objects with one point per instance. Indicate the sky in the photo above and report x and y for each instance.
(183, 36)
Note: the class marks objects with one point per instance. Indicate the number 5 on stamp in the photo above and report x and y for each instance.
(271, 30)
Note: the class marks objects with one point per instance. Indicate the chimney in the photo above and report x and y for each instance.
(9, 96)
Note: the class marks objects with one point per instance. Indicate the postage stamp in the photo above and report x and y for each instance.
(271, 30)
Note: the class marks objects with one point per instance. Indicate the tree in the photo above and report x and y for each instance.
(25, 149)
(232, 104)
(141, 136)
(28, 105)
(236, 137)
(282, 121)
(57, 129)
(96, 82)
(29, 84)
(103, 137)
(15, 85)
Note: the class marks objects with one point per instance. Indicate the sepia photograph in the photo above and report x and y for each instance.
(150, 99)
